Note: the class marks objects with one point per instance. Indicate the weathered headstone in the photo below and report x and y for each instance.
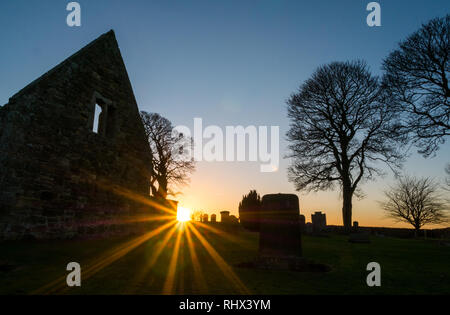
(319, 222)
(232, 219)
(229, 222)
(280, 226)
(225, 216)
(302, 223)
(280, 237)
(213, 218)
(205, 218)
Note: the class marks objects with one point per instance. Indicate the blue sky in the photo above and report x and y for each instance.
(228, 62)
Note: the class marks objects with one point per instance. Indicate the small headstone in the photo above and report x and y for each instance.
(302, 223)
(308, 228)
(319, 222)
(213, 218)
(205, 218)
(355, 226)
(225, 216)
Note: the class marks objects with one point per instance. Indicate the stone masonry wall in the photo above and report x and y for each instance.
(57, 176)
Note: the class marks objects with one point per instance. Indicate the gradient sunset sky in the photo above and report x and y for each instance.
(228, 62)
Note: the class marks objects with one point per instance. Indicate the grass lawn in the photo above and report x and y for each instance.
(165, 263)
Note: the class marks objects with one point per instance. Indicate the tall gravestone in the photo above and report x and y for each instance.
(280, 226)
(225, 217)
(280, 237)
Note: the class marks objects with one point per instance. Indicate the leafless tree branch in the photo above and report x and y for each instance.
(417, 75)
(170, 163)
(415, 201)
(342, 125)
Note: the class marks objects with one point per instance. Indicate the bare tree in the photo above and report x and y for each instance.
(171, 163)
(197, 215)
(447, 178)
(415, 201)
(417, 74)
(341, 125)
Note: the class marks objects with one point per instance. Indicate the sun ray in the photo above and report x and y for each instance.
(162, 246)
(221, 263)
(152, 218)
(170, 278)
(105, 260)
(126, 249)
(225, 235)
(198, 275)
(145, 200)
(155, 255)
(122, 221)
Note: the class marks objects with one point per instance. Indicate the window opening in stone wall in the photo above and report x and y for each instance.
(96, 124)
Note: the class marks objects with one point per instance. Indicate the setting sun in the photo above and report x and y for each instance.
(183, 214)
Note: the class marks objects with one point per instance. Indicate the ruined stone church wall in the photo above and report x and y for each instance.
(57, 176)
(2, 127)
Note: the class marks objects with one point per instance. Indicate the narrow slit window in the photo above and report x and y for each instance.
(98, 111)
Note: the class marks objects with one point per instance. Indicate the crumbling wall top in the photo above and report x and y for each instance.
(109, 36)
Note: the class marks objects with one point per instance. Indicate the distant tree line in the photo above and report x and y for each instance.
(249, 211)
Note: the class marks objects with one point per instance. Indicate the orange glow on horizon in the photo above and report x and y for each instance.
(220, 262)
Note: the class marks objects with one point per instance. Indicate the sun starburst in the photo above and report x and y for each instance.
(183, 214)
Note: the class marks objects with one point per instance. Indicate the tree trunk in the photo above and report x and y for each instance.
(347, 196)
(162, 190)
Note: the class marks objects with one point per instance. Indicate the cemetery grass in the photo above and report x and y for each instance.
(407, 266)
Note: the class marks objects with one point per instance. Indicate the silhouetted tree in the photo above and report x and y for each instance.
(171, 164)
(341, 125)
(417, 74)
(197, 215)
(249, 211)
(415, 201)
(447, 178)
